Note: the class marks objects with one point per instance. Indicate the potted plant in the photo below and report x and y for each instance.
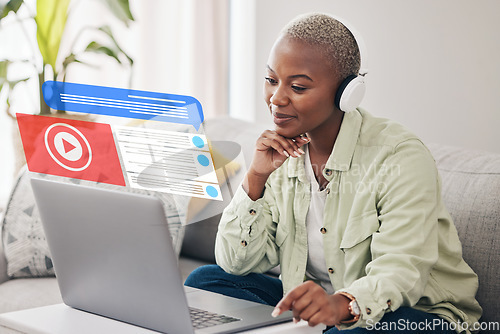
(50, 19)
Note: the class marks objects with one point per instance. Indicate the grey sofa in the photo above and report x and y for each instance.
(471, 190)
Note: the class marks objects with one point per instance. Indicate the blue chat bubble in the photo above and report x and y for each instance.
(123, 103)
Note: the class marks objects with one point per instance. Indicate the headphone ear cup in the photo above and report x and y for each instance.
(350, 93)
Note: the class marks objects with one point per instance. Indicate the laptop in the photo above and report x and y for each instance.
(113, 256)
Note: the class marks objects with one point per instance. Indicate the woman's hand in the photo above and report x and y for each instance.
(311, 303)
(271, 151)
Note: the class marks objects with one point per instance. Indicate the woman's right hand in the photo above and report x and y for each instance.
(271, 151)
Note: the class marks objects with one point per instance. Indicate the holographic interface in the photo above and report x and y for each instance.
(162, 149)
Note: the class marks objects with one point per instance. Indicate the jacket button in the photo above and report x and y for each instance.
(330, 270)
(252, 212)
(389, 302)
(244, 243)
(322, 230)
(327, 191)
(368, 311)
(328, 172)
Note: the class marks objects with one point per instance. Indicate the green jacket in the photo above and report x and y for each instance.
(389, 240)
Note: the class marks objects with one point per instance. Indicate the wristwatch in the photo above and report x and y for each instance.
(353, 308)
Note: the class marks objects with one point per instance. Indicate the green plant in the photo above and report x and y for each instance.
(50, 20)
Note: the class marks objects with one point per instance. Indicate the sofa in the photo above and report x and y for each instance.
(471, 191)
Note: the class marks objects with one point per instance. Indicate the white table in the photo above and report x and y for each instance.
(62, 319)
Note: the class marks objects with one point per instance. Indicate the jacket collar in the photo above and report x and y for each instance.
(343, 150)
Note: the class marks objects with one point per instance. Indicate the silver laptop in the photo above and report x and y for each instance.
(113, 256)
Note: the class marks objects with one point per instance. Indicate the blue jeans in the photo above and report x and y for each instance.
(254, 287)
(267, 290)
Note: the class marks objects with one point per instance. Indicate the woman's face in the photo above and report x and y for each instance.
(300, 88)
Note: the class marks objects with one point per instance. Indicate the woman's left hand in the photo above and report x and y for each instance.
(311, 303)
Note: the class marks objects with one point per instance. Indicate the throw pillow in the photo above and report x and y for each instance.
(24, 242)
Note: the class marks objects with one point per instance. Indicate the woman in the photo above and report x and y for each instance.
(349, 205)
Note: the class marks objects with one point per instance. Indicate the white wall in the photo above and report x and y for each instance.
(433, 65)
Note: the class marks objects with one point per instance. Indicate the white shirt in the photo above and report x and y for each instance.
(316, 265)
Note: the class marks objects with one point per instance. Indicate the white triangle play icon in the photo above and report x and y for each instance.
(68, 146)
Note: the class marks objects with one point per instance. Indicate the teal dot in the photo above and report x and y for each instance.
(198, 142)
(203, 160)
(211, 191)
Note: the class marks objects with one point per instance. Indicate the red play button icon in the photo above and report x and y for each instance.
(70, 148)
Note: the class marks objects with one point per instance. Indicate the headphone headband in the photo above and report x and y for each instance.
(352, 90)
(359, 41)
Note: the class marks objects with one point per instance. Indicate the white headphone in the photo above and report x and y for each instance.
(352, 90)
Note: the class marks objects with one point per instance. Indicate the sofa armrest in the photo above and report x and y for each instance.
(3, 260)
(3, 267)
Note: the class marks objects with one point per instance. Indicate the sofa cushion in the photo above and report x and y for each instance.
(471, 192)
(23, 293)
(24, 242)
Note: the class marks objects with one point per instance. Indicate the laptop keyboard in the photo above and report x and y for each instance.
(202, 318)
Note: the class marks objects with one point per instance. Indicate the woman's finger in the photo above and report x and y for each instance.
(301, 140)
(286, 144)
(268, 143)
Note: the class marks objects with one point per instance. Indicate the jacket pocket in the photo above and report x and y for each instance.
(359, 229)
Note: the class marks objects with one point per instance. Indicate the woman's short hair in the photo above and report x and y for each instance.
(336, 41)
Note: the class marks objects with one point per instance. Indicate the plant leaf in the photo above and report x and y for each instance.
(4, 70)
(4, 82)
(72, 58)
(121, 9)
(69, 59)
(13, 83)
(99, 48)
(50, 18)
(11, 6)
(107, 30)
(4, 64)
